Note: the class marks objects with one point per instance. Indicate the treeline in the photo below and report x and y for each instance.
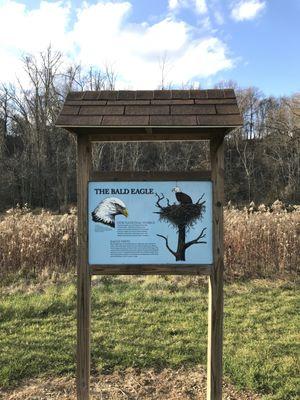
(38, 160)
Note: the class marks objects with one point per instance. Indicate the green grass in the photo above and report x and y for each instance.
(155, 322)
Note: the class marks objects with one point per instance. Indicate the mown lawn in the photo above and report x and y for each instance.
(155, 322)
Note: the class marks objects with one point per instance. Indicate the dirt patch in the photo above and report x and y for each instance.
(183, 384)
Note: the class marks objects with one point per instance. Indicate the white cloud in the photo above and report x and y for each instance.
(199, 6)
(247, 9)
(203, 58)
(30, 31)
(173, 4)
(102, 35)
(219, 17)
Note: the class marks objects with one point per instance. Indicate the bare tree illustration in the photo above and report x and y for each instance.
(182, 217)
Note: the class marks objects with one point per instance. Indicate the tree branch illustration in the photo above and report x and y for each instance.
(198, 201)
(196, 241)
(159, 199)
(167, 244)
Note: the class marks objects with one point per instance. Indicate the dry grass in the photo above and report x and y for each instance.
(261, 243)
(183, 384)
(35, 241)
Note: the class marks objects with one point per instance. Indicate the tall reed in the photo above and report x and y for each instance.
(33, 241)
(261, 243)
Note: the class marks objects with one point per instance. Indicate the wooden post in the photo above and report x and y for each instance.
(83, 275)
(215, 311)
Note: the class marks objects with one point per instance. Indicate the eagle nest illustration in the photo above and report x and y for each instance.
(107, 210)
(182, 217)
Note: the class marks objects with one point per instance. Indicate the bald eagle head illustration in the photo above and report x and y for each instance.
(107, 210)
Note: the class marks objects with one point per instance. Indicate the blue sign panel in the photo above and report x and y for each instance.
(150, 222)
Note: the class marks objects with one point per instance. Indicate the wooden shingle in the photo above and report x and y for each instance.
(194, 109)
(144, 94)
(227, 109)
(125, 120)
(162, 94)
(101, 110)
(173, 120)
(147, 110)
(150, 109)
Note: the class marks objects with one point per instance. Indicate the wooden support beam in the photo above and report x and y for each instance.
(150, 176)
(150, 135)
(215, 312)
(151, 269)
(83, 275)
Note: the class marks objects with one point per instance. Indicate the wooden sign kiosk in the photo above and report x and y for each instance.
(159, 115)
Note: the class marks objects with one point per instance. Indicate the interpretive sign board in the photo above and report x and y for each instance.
(150, 223)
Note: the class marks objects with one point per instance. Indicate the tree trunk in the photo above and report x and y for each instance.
(180, 254)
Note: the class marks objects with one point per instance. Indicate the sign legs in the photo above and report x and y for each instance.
(83, 275)
(215, 314)
(215, 311)
(83, 339)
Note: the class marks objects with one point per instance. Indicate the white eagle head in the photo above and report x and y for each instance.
(106, 211)
(176, 189)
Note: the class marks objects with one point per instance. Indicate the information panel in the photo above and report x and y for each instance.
(151, 222)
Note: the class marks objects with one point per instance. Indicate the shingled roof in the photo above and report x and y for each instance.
(150, 109)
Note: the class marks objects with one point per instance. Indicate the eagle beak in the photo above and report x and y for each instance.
(125, 212)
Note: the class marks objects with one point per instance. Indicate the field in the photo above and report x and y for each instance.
(149, 334)
(153, 324)
(257, 244)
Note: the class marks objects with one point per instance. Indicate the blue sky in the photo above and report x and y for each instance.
(253, 42)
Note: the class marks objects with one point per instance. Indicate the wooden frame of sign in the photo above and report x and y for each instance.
(148, 269)
(86, 135)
